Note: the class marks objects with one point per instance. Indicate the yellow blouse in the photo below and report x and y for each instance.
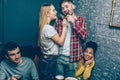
(86, 71)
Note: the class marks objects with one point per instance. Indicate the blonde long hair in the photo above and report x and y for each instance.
(45, 8)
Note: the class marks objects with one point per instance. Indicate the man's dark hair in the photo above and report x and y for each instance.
(10, 46)
(62, 1)
(92, 45)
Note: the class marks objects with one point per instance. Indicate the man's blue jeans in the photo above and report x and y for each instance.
(64, 67)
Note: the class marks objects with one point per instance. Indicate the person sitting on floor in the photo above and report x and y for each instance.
(86, 64)
(15, 67)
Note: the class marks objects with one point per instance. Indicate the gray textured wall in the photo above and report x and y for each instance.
(97, 14)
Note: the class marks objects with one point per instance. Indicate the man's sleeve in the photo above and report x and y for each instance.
(2, 74)
(58, 26)
(34, 72)
(80, 27)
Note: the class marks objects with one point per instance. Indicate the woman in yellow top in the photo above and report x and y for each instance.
(86, 64)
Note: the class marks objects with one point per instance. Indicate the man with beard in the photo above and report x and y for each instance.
(71, 52)
(15, 67)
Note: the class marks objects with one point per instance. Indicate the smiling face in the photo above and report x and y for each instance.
(88, 54)
(14, 55)
(67, 7)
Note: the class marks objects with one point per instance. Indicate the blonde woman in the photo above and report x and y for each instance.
(49, 41)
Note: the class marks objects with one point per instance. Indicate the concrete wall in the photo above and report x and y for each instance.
(97, 14)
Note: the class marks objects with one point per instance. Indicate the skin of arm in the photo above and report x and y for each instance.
(60, 39)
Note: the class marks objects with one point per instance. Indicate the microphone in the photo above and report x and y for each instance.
(66, 14)
(62, 16)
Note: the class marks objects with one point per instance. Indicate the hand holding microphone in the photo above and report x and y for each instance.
(64, 22)
(67, 16)
(70, 18)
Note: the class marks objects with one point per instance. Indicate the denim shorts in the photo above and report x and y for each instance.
(65, 67)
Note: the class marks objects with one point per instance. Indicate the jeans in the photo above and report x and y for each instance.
(47, 68)
(64, 67)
